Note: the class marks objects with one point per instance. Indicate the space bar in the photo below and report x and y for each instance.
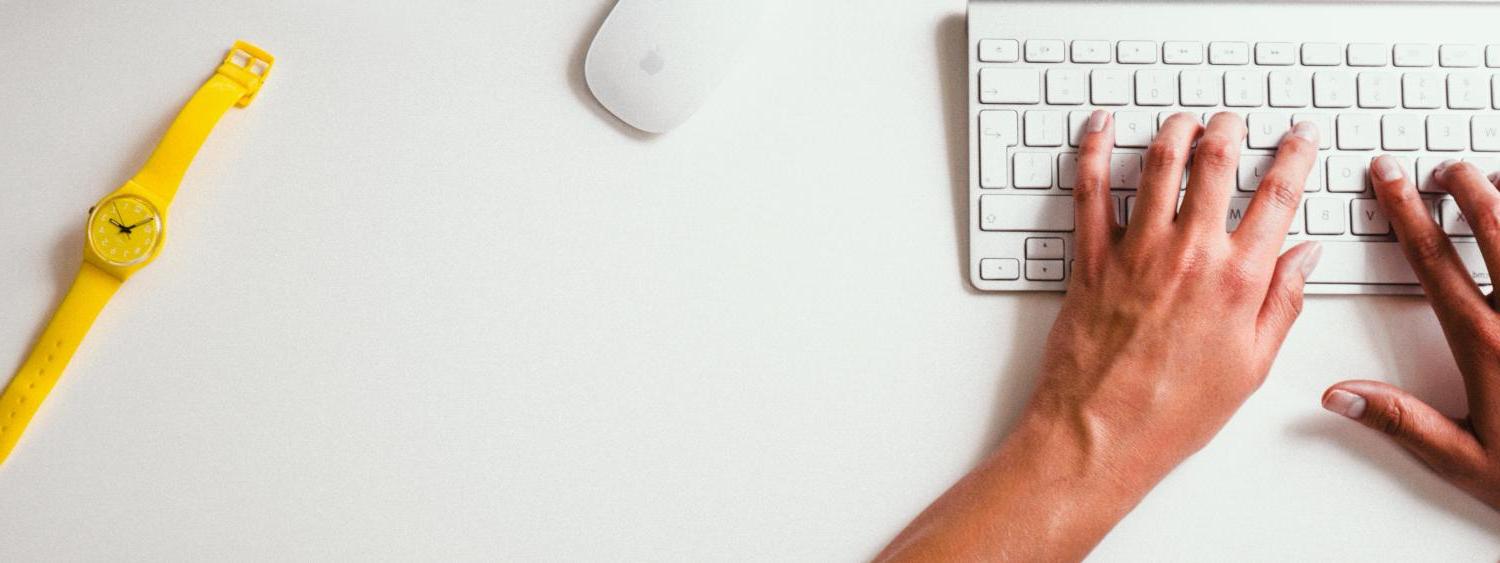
(1382, 263)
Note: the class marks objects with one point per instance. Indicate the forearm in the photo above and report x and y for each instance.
(1047, 494)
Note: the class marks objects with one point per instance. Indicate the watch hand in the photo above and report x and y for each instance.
(116, 204)
(117, 224)
(148, 220)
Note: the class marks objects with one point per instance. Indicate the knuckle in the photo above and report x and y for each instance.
(1485, 219)
(1166, 154)
(1393, 418)
(1281, 191)
(1217, 151)
(1427, 247)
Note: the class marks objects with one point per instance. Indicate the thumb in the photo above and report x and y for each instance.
(1435, 439)
(1283, 301)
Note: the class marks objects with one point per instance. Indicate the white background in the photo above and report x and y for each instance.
(425, 299)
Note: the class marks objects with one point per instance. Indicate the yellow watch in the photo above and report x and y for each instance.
(125, 232)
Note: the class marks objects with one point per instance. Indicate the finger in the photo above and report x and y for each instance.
(1435, 439)
(1479, 201)
(1284, 299)
(1092, 204)
(1276, 199)
(1161, 179)
(1455, 298)
(1215, 167)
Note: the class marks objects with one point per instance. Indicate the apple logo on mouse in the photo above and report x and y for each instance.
(652, 63)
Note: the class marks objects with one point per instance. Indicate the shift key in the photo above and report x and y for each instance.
(1035, 213)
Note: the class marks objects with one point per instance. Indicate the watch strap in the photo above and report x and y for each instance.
(90, 291)
(235, 83)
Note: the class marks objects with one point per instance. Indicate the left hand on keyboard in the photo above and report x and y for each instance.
(1168, 325)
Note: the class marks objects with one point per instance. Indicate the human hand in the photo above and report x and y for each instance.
(1167, 326)
(1171, 322)
(1465, 452)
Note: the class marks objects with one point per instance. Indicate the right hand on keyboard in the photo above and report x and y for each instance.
(1465, 452)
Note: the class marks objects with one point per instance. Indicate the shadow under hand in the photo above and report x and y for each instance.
(580, 86)
(1376, 449)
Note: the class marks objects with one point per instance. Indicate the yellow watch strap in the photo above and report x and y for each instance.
(91, 290)
(235, 83)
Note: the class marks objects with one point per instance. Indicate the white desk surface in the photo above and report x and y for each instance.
(426, 300)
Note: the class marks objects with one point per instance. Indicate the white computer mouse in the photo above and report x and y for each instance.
(654, 62)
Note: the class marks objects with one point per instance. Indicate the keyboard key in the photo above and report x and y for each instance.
(999, 50)
(1447, 132)
(1347, 174)
(1077, 122)
(1369, 54)
(1266, 129)
(1033, 170)
(1367, 218)
(1495, 91)
(1237, 207)
(1468, 91)
(1067, 170)
(1358, 131)
(1275, 54)
(1228, 53)
(1422, 90)
(1486, 133)
(1044, 51)
(1290, 89)
(1111, 87)
(1042, 213)
(1182, 52)
(1402, 132)
(1492, 56)
(1044, 128)
(1485, 164)
(1133, 129)
(1314, 181)
(1086, 51)
(1425, 166)
(997, 133)
(1252, 170)
(1324, 123)
(1415, 54)
(1333, 89)
(1378, 89)
(1155, 87)
(1010, 86)
(1244, 88)
(1325, 216)
(1135, 52)
(1044, 270)
(1453, 220)
(1067, 86)
(1044, 248)
(1201, 88)
(1322, 54)
(999, 269)
(1124, 171)
(1381, 263)
(1460, 56)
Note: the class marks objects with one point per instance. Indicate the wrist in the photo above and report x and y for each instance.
(1086, 457)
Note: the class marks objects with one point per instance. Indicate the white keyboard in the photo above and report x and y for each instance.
(1030, 95)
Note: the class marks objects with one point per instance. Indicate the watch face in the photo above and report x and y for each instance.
(124, 230)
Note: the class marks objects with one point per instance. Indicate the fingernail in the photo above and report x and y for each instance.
(1442, 168)
(1387, 169)
(1306, 130)
(1494, 177)
(1345, 403)
(1310, 261)
(1097, 120)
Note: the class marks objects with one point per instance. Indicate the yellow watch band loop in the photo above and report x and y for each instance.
(125, 232)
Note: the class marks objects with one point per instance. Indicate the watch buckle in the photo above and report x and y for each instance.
(248, 65)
